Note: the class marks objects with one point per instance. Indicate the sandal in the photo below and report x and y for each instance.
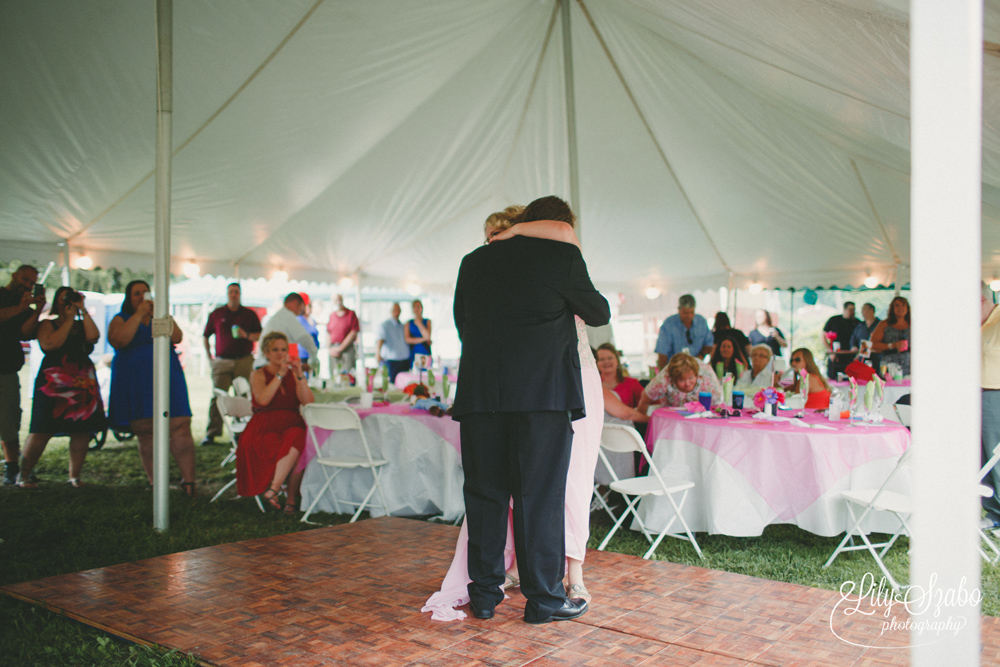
(510, 581)
(579, 591)
(188, 488)
(289, 508)
(76, 483)
(271, 496)
(24, 483)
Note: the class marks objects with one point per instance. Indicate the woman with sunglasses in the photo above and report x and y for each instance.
(819, 390)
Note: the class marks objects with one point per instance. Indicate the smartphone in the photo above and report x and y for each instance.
(38, 290)
(293, 350)
(147, 296)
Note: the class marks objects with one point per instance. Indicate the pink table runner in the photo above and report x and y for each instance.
(790, 466)
(444, 426)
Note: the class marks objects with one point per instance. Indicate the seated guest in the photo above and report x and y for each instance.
(276, 434)
(680, 382)
(767, 333)
(724, 327)
(613, 377)
(761, 372)
(819, 390)
(728, 352)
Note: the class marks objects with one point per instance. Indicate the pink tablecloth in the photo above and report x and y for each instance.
(790, 467)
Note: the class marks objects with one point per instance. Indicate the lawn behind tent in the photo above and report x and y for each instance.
(58, 529)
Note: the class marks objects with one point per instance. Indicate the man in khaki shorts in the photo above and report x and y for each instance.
(18, 321)
(235, 329)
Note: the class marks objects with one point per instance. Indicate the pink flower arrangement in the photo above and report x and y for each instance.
(768, 395)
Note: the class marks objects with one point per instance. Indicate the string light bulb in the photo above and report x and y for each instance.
(652, 293)
(84, 262)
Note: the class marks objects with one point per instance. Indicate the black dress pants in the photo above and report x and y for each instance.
(524, 456)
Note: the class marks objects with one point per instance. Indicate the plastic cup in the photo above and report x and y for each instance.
(737, 400)
(236, 330)
(366, 399)
(705, 398)
(836, 346)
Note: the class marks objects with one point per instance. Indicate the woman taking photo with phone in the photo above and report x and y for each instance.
(131, 399)
(67, 398)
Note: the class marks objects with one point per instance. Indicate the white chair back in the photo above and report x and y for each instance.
(241, 386)
(904, 413)
(234, 407)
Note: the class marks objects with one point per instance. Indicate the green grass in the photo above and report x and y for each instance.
(58, 529)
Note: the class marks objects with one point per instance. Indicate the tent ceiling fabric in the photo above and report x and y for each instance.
(765, 138)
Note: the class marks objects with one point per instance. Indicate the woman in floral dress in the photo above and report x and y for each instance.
(67, 397)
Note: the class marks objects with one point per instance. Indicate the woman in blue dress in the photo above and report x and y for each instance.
(418, 332)
(130, 405)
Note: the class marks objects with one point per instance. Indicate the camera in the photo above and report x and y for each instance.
(72, 296)
(38, 290)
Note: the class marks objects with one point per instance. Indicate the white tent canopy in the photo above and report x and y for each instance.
(761, 139)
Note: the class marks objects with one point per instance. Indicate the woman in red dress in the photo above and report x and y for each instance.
(276, 434)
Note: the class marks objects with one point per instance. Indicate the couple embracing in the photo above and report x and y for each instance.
(519, 305)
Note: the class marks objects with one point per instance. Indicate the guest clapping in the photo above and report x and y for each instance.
(418, 332)
(613, 376)
(761, 371)
(683, 379)
(275, 437)
(892, 336)
(67, 398)
(819, 390)
(767, 334)
(729, 354)
(131, 401)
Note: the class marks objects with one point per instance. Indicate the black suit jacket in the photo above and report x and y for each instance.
(514, 307)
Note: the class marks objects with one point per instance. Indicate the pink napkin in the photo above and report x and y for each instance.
(694, 406)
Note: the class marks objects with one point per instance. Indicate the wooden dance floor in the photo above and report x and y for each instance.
(351, 595)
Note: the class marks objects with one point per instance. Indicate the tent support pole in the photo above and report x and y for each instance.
(65, 266)
(791, 322)
(161, 265)
(570, 94)
(946, 102)
(359, 343)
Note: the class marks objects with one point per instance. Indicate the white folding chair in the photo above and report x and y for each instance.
(241, 386)
(904, 414)
(236, 412)
(338, 417)
(986, 492)
(876, 500)
(620, 438)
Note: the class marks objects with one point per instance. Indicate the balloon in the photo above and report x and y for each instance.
(809, 296)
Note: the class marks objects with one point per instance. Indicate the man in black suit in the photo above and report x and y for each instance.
(520, 389)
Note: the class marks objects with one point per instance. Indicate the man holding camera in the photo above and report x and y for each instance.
(235, 328)
(18, 321)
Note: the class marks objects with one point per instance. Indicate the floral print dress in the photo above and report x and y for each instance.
(67, 397)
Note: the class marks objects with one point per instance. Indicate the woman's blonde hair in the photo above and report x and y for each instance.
(503, 219)
(269, 339)
(811, 368)
(679, 364)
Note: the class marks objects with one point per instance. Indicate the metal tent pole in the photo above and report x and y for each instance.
(570, 95)
(946, 103)
(161, 266)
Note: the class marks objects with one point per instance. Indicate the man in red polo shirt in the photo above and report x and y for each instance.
(343, 328)
(235, 329)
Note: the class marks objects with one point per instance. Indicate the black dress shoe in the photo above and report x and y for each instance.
(571, 609)
(482, 614)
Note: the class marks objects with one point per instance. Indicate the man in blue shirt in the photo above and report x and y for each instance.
(391, 345)
(683, 332)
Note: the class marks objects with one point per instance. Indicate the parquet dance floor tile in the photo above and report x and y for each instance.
(351, 595)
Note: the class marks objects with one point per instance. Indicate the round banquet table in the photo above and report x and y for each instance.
(424, 474)
(894, 390)
(750, 473)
